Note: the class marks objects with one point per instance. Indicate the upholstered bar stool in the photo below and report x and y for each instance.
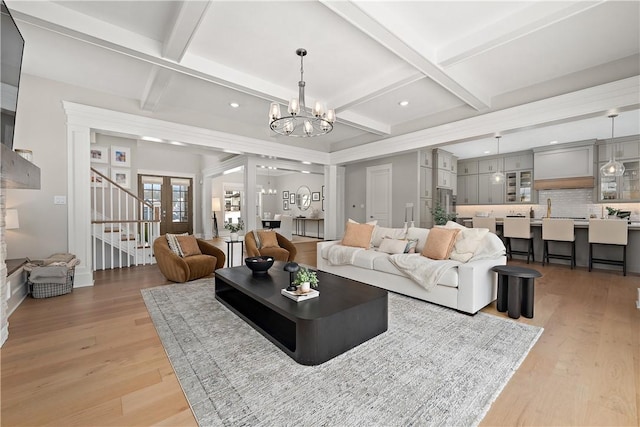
(612, 232)
(518, 228)
(558, 230)
(484, 222)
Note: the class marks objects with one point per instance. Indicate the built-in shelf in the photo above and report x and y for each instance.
(17, 172)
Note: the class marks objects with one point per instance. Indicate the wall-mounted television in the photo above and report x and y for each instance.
(11, 48)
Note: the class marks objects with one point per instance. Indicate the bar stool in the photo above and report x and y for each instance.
(518, 228)
(558, 230)
(614, 232)
(484, 222)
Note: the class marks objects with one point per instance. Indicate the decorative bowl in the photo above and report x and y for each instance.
(259, 264)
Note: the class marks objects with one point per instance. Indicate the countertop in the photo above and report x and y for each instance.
(537, 222)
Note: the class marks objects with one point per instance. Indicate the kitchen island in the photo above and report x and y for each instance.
(582, 245)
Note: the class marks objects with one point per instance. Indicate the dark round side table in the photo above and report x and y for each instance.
(515, 290)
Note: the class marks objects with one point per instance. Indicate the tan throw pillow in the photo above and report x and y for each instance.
(268, 239)
(173, 242)
(188, 246)
(393, 246)
(440, 242)
(357, 235)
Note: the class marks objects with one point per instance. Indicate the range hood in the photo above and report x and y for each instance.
(17, 172)
(566, 167)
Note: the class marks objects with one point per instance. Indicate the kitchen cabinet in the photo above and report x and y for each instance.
(468, 167)
(467, 190)
(623, 150)
(489, 165)
(426, 217)
(444, 160)
(623, 188)
(514, 163)
(426, 158)
(426, 182)
(444, 179)
(519, 187)
(488, 192)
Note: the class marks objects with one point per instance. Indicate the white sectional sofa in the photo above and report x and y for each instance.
(467, 287)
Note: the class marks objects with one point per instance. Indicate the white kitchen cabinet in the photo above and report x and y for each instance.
(489, 165)
(426, 182)
(426, 158)
(467, 190)
(426, 217)
(444, 160)
(444, 179)
(519, 162)
(623, 150)
(488, 192)
(468, 167)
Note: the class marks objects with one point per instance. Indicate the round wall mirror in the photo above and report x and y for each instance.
(303, 198)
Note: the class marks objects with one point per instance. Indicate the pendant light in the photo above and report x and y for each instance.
(498, 177)
(269, 191)
(612, 167)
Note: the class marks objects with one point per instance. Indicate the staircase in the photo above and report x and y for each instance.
(123, 226)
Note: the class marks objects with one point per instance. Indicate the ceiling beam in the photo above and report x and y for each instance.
(183, 29)
(408, 52)
(158, 81)
(531, 19)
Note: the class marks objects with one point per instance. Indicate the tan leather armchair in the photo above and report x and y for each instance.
(286, 252)
(178, 269)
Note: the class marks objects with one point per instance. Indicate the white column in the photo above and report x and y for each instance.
(334, 202)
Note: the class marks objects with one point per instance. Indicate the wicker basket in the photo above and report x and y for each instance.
(46, 290)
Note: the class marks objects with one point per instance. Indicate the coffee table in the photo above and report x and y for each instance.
(346, 314)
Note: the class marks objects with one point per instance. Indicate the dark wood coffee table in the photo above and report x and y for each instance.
(346, 314)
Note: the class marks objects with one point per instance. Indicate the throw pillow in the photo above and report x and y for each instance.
(173, 242)
(467, 242)
(440, 242)
(411, 246)
(393, 246)
(357, 235)
(380, 233)
(374, 222)
(188, 246)
(268, 239)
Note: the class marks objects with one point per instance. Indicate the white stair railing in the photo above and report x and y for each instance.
(123, 225)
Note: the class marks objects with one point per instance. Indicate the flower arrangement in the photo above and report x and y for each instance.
(306, 275)
(612, 211)
(234, 227)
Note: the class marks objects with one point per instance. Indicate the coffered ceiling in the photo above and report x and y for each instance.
(450, 60)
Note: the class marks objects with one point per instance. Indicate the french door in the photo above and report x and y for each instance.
(172, 200)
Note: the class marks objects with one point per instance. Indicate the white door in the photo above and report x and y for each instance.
(379, 194)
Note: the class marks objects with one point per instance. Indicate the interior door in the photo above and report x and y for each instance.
(378, 204)
(172, 201)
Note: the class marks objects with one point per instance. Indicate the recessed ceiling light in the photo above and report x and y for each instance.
(151, 138)
(306, 163)
(403, 103)
(305, 172)
(182, 144)
(234, 105)
(487, 152)
(553, 142)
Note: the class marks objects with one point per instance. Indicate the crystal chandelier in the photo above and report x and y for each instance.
(612, 167)
(299, 123)
(498, 176)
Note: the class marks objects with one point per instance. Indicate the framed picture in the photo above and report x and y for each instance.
(285, 205)
(285, 195)
(292, 198)
(323, 192)
(122, 177)
(120, 156)
(315, 196)
(99, 153)
(97, 180)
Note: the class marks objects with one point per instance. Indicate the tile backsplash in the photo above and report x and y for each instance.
(577, 203)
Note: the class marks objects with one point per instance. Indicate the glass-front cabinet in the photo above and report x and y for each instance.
(519, 186)
(622, 188)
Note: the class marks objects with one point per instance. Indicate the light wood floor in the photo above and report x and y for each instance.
(93, 357)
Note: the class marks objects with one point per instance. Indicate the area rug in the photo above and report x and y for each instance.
(434, 366)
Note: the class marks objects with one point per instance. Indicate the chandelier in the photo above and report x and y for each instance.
(498, 176)
(612, 167)
(269, 191)
(299, 123)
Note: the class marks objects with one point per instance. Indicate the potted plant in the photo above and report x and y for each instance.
(440, 216)
(234, 228)
(612, 212)
(305, 279)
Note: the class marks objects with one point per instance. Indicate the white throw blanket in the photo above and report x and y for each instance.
(422, 270)
(342, 255)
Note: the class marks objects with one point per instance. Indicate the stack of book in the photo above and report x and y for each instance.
(294, 295)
